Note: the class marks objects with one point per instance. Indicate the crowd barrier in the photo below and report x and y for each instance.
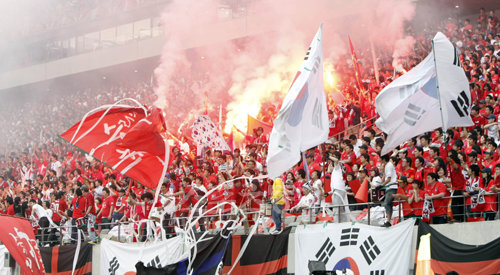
(371, 213)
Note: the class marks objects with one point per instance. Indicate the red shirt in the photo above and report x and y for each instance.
(457, 178)
(10, 210)
(90, 201)
(133, 210)
(187, 199)
(79, 207)
(59, 205)
(407, 210)
(106, 206)
(417, 206)
(121, 201)
(148, 206)
(440, 205)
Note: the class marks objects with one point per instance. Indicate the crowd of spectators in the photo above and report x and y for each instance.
(44, 178)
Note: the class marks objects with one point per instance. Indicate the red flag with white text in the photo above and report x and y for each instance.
(126, 138)
(18, 237)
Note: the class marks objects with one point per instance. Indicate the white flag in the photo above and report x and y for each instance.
(302, 121)
(410, 105)
(120, 258)
(360, 248)
(206, 134)
(453, 84)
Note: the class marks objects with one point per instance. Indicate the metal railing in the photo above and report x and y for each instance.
(208, 221)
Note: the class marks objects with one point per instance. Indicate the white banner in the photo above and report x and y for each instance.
(361, 248)
(4, 259)
(119, 258)
(302, 121)
(453, 84)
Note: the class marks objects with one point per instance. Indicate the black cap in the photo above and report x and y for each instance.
(472, 154)
(402, 179)
(486, 170)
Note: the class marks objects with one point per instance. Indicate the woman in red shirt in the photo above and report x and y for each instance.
(416, 199)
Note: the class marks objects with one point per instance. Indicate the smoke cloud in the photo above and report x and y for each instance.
(247, 73)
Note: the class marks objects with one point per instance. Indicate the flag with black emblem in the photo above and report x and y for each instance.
(433, 94)
(120, 258)
(360, 248)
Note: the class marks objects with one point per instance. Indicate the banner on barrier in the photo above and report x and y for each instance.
(448, 255)
(265, 254)
(361, 248)
(59, 259)
(120, 258)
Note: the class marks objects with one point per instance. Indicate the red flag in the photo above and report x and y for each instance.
(126, 138)
(18, 237)
(357, 71)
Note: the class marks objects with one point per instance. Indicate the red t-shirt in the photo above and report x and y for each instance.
(407, 210)
(10, 210)
(417, 206)
(133, 210)
(90, 201)
(121, 201)
(59, 205)
(79, 207)
(97, 209)
(457, 178)
(106, 206)
(149, 205)
(440, 205)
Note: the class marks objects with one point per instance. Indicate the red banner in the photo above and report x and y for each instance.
(126, 138)
(18, 237)
(357, 71)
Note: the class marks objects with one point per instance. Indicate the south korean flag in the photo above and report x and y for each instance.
(358, 248)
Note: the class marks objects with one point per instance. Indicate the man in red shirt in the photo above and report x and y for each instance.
(120, 205)
(108, 205)
(90, 213)
(79, 211)
(478, 119)
(458, 184)
(435, 191)
(59, 207)
(10, 209)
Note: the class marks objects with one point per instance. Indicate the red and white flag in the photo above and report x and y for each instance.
(18, 237)
(127, 138)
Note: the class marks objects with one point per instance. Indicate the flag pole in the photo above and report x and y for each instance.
(305, 166)
(438, 93)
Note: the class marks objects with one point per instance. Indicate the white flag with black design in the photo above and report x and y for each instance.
(453, 84)
(120, 258)
(410, 105)
(360, 248)
(302, 121)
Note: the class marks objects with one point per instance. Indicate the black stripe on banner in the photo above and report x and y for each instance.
(323, 247)
(368, 260)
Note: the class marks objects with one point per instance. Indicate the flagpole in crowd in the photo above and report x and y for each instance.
(438, 93)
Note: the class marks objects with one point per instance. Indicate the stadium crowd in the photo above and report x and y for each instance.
(47, 180)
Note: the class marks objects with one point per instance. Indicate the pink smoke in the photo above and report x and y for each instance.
(244, 74)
